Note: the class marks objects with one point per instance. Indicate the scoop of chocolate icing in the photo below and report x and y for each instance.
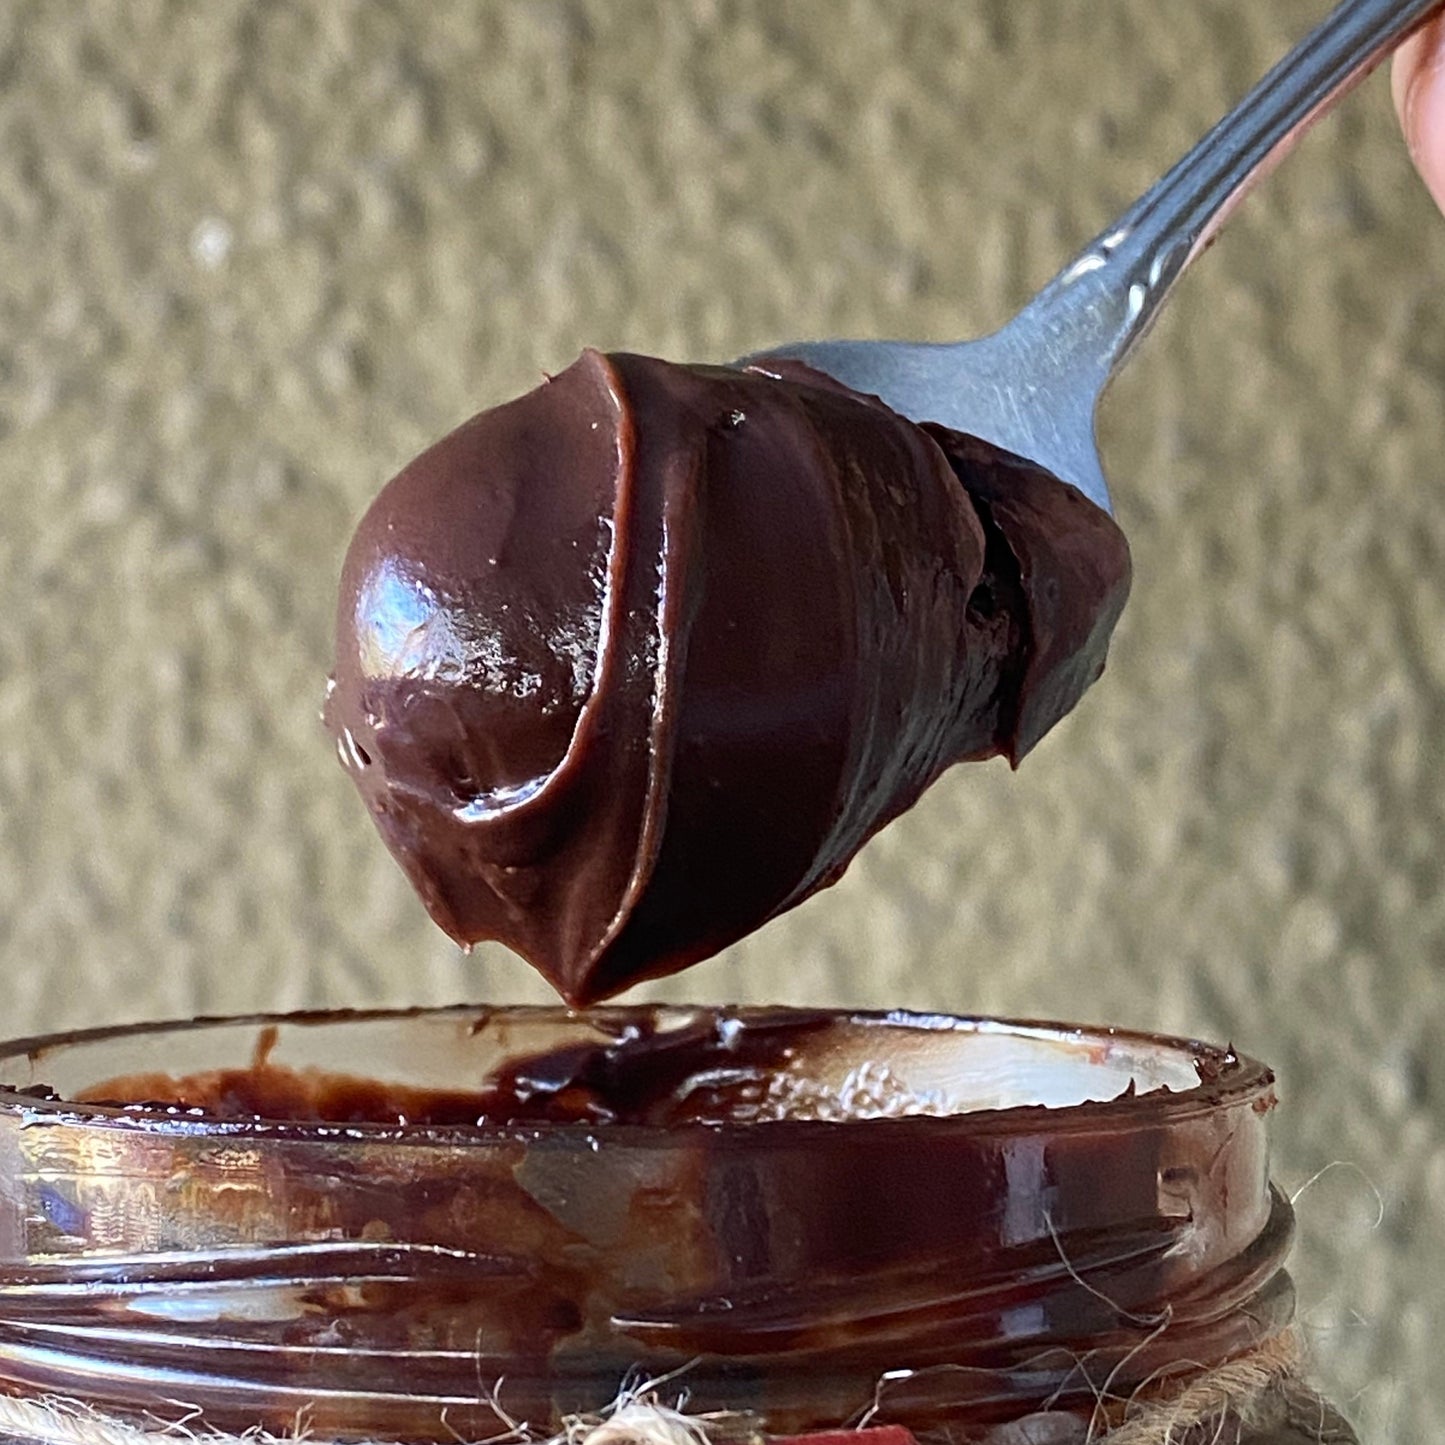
(630, 665)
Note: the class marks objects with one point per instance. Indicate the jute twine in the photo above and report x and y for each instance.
(1233, 1389)
(1231, 1392)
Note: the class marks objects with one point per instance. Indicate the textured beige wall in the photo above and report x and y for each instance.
(252, 257)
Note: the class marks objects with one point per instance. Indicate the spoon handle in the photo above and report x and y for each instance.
(1104, 300)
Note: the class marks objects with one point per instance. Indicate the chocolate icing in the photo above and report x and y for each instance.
(628, 666)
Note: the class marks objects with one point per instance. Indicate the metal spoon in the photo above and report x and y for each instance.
(1033, 387)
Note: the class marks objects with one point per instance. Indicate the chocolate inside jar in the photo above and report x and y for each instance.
(807, 1214)
(652, 1069)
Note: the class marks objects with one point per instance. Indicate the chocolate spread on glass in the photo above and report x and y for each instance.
(628, 666)
(711, 1071)
(807, 1213)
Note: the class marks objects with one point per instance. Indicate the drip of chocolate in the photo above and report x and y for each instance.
(632, 664)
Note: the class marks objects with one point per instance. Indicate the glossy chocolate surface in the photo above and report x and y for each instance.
(893, 1200)
(651, 1073)
(630, 665)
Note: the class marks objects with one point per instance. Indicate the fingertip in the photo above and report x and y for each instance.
(1417, 84)
(1404, 65)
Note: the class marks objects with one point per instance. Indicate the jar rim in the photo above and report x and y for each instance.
(1225, 1077)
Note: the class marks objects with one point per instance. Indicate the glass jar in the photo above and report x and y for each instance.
(803, 1219)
